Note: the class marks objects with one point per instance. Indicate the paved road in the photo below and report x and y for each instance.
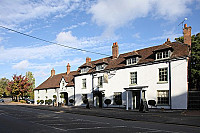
(18, 119)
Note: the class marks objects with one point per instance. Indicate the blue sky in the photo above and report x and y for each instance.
(87, 24)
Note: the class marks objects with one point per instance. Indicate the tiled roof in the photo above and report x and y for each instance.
(166, 45)
(54, 82)
(146, 55)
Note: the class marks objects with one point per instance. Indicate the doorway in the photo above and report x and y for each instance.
(99, 103)
(66, 97)
(136, 99)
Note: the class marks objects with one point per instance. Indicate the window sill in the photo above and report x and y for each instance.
(132, 84)
(162, 82)
(162, 105)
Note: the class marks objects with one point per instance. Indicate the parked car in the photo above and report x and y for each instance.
(29, 101)
(1, 101)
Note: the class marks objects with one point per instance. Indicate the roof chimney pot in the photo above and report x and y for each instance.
(68, 68)
(52, 72)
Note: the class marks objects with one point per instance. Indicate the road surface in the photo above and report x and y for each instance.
(18, 119)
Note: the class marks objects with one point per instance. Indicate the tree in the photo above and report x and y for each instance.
(3, 85)
(19, 86)
(31, 80)
(194, 69)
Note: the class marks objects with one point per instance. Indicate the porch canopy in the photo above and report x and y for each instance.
(134, 88)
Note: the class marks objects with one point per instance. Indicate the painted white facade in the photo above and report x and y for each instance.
(147, 75)
(46, 94)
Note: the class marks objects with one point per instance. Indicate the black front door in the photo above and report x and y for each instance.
(66, 97)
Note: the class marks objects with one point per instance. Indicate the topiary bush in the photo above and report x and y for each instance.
(107, 102)
(41, 101)
(49, 101)
(46, 101)
(71, 100)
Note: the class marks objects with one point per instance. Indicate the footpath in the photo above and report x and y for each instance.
(178, 117)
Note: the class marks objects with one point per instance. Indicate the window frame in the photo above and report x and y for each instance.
(100, 67)
(163, 97)
(84, 85)
(133, 78)
(131, 61)
(100, 81)
(84, 70)
(163, 55)
(163, 75)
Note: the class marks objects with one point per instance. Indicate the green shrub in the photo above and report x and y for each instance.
(38, 101)
(107, 102)
(41, 101)
(46, 101)
(50, 101)
(71, 100)
(22, 101)
(54, 96)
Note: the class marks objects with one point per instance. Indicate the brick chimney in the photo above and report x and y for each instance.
(88, 60)
(168, 40)
(68, 68)
(115, 50)
(187, 34)
(52, 72)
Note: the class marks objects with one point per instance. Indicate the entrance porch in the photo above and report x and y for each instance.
(134, 95)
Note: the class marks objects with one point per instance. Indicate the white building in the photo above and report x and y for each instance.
(157, 73)
(55, 86)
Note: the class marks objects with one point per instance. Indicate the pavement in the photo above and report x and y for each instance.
(178, 117)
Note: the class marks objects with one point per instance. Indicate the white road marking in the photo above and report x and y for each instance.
(95, 128)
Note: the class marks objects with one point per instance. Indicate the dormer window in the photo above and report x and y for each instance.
(84, 70)
(131, 61)
(163, 55)
(100, 67)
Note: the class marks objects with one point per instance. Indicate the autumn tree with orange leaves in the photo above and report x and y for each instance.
(19, 86)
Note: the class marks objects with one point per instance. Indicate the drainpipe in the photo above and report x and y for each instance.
(74, 92)
(93, 89)
(170, 85)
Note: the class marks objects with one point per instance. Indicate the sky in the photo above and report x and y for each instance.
(92, 25)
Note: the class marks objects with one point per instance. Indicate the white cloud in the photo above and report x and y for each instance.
(114, 14)
(171, 10)
(117, 13)
(65, 37)
(75, 26)
(34, 52)
(136, 35)
(21, 65)
(12, 12)
(171, 34)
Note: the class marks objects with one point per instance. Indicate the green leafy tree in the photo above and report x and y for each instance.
(31, 80)
(194, 69)
(3, 85)
(19, 86)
